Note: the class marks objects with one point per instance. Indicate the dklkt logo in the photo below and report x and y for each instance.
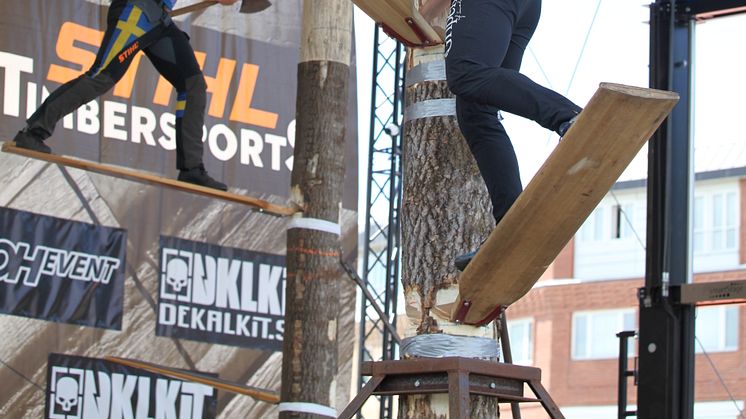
(78, 393)
(227, 296)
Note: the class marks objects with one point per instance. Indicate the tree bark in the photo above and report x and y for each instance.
(445, 212)
(310, 348)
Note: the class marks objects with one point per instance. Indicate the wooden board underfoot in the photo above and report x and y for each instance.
(402, 18)
(152, 179)
(220, 384)
(607, 135)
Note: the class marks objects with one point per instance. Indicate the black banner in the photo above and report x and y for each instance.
(61, 270)
(222, 295)
(81, 388)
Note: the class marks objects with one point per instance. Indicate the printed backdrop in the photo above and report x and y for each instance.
(250, 63)
(249, 130)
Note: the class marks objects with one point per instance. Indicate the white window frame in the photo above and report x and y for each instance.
(528, 341)
(708, 229)
(721, 325)
(588, 350)
(594, 229)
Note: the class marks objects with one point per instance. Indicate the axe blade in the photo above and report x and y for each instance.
(254, 6)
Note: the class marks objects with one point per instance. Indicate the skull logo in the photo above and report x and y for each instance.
(66, 393)
(177, 273)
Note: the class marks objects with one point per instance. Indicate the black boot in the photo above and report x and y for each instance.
(27, 140)
(565, 126)
(462, 261)
(198, 176)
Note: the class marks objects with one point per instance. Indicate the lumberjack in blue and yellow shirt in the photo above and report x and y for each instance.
(133, 26)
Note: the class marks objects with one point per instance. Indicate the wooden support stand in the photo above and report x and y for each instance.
(459, 377)
(608, 134)
(141, 177)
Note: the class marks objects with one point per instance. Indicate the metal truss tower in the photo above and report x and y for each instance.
(381, 264)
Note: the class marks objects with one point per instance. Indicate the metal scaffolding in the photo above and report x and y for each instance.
(381, 262)
(666, 359)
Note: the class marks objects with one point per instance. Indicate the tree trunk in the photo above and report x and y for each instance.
(446, 212)
(309, 365)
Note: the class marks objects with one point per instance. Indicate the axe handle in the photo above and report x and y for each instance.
(193, 7)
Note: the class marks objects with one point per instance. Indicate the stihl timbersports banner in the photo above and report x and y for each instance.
(249, 131)
(82, 388)
(61, 270)
(220, 294)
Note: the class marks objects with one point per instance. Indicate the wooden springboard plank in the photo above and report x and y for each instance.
(401, 20)
(148, 178)
(218, 383)
(608, 134)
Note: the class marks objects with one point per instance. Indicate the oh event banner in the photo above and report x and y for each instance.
(61, 270)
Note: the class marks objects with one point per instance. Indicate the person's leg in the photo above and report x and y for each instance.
(173, 57)
(479, 121)
(128, 30)
(493, 151)
(480, 39)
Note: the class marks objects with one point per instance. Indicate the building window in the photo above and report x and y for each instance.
(521, 333)
(717, 329)
(622, 218)
(593, 228)
(594, 333)
(715, 222)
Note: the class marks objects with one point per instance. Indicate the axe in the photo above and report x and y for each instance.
(254, 6)
(247, 6)
(193, 8)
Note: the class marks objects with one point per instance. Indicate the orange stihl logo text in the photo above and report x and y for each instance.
(241, 109)
(128, 52)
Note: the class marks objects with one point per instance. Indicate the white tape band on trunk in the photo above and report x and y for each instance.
(302, 407)
(315, 224)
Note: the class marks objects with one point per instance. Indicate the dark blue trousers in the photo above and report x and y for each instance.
(485, 42)
(131, 29)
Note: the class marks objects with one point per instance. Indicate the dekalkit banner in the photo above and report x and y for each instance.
(221, 295)
(82, 388)
(61, 270)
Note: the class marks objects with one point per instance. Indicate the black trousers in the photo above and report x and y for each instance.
(130, 29)
(485, 42)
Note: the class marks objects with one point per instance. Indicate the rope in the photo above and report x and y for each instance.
(720, 377)
(18, 373)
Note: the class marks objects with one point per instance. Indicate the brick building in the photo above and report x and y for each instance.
(567, 324)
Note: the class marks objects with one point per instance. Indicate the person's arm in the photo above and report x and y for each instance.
(433, 8)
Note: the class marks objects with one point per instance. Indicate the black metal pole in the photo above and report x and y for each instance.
(623, 372)
(666, 367)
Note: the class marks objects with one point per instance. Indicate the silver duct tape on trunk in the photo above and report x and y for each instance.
(442, 346)
(428, 71)
(430, 109)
